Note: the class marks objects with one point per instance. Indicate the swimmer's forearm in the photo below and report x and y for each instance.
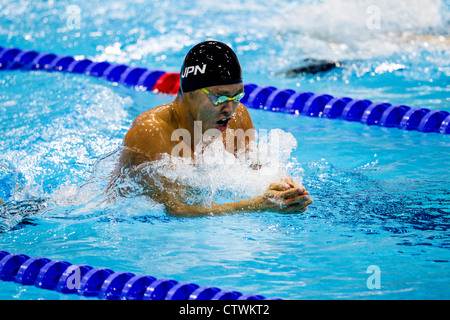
(216, 209)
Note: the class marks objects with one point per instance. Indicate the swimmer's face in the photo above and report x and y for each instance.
(215, 116)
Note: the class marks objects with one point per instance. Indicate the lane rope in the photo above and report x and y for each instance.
(104, 283)
(269, 98)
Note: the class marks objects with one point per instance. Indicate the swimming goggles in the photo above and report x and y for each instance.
(216, 99)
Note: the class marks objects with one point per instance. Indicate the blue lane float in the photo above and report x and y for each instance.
(269, 98)
(315, 105)
(49, 275)
(372, 114)
(277, 99)
(103, 283)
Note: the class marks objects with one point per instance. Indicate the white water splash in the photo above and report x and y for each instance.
(218, 176)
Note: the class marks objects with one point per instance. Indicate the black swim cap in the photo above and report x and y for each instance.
(209, 63)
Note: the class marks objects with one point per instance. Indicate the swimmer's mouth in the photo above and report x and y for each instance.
(223, 122)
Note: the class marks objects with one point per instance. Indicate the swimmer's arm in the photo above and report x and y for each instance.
(283, 197)
(170, 194)
(183, 210)
(279, 198)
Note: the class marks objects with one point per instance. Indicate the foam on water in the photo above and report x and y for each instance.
(215, 175)
(359, 29)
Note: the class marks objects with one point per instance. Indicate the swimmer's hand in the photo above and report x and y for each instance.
(285, 197)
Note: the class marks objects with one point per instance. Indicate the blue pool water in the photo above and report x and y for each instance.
(381, 195)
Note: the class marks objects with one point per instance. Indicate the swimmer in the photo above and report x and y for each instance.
(210, 89)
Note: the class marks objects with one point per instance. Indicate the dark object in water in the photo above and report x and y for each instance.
(14, 214)
(312, 66)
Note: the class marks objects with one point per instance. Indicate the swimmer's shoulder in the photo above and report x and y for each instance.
(241, 119)
(150, 132)
(160, 115)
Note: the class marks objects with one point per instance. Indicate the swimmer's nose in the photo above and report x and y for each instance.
(227, 109)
